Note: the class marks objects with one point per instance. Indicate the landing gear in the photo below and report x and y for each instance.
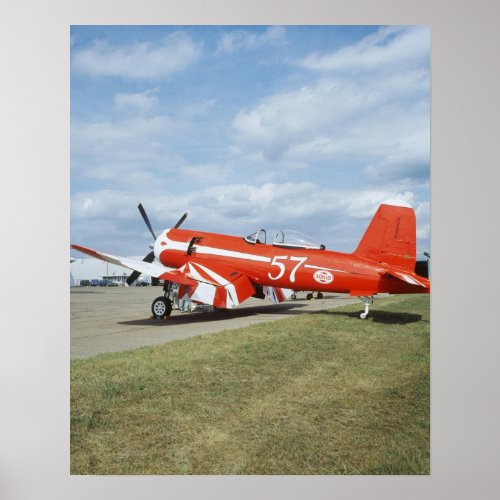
(319, 295)
(367, 301)
(161, 307)
(309, 296)
(293, 296)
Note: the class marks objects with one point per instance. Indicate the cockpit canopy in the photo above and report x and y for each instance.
(287, 238)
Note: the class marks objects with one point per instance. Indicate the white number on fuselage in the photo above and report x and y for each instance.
(281, 266)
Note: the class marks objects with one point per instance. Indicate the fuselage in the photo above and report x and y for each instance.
(280, 266)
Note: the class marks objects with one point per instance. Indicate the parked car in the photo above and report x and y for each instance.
(142, 283)
(94, 282)
(85, 283)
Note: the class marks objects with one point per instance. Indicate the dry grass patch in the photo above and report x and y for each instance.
(321, 393)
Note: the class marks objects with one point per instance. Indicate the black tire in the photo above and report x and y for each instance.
(309, 296)
(319, 295)
(161, 307)
(293, 296)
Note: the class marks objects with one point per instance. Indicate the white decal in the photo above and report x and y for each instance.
(323, 277)
(280, 265)
(300, 261)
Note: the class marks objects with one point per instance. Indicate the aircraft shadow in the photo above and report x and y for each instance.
(221, 315)
(385, 317)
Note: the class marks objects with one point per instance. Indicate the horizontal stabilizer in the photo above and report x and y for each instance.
(410, 278)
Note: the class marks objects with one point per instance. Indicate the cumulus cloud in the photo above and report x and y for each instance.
(144, 60)
(379, 117)
(233, 41)
(389, 46)
(408, 159)
(241, 208)
(106, 137)
(137, 102)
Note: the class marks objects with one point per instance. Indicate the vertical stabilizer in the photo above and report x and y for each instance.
(391, 238)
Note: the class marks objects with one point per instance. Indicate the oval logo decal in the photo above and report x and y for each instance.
(323, 277)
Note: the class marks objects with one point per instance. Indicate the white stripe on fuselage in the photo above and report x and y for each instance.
(200, 249)
(321, 268)
(230, 253)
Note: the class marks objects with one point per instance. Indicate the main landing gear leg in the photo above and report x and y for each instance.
(367, 301)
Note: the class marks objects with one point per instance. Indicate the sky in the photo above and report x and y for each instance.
(245, 127)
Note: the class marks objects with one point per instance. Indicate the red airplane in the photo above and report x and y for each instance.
(223, 271)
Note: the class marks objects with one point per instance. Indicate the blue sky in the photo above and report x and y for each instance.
(291, 127)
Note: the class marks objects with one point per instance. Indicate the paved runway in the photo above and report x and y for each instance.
(116, 319)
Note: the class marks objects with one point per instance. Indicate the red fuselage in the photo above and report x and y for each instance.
(280, 266)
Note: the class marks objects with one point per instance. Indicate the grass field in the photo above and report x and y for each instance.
(320, 393)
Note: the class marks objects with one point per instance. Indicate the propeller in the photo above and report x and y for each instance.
(151, 255)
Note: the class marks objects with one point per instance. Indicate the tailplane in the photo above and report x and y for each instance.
(390, 238)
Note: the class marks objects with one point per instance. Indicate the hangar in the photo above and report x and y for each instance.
(89, 269)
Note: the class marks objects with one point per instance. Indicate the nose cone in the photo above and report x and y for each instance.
(160, 244)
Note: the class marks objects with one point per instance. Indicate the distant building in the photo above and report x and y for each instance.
(89, 269)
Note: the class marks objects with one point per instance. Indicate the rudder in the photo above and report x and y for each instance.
(391, 237)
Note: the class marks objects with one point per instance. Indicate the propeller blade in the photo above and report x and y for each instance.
(146, 219)
(149, 258)
(133, 277)
(181, 220)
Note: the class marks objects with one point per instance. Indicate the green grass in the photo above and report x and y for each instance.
(319, 393)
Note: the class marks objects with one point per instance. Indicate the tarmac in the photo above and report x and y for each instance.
(112, 319)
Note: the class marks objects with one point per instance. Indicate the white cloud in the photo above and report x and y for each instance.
(204, 173)
(389, 46)
(408, 159)
(265, 203)
(232, 41)
(199, 108)
(144, 60)
(378, 117)
(108, 137)
(141, 101)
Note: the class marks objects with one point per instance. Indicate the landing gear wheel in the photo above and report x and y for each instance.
(319, 295)
(161, 307)
(362, 315)
(293, 296)
(309, 296)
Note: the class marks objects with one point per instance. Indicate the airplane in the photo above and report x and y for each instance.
(223, 271)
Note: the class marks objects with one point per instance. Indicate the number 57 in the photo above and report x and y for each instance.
(282, 269)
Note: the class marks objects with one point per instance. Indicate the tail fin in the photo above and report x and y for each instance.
(390, 238)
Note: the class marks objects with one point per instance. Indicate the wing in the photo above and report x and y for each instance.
(155, 269)
(215, 285)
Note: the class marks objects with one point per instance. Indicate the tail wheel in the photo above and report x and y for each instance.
(161, 307)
